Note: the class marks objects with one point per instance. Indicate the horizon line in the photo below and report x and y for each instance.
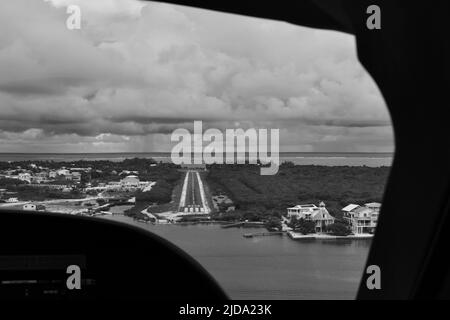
(144, 152)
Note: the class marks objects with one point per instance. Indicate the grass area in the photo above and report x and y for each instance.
(206, 188)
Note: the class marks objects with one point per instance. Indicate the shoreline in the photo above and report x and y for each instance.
(357, 159)
(298, 236)
(291, 234)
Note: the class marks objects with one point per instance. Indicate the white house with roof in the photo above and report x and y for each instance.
(62, 172)
(362, 219)
(319, 215)
(73, 176)
(130, 181)
(24, 176)
(375, 206)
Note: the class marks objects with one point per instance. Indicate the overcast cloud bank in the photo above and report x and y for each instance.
(137, 71)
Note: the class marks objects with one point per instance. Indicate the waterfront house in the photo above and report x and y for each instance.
(319, 215)
(301, 210)
(362, 219)
(375, 206)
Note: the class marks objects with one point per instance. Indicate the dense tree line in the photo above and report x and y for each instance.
(264, 196)
(30, 193)
(7, 183)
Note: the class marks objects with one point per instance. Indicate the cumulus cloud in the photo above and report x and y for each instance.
(138, 70)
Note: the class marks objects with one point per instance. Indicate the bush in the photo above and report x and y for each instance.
(339, 229)
(273, 224)
(305, 226)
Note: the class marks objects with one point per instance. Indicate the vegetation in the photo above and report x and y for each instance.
(30, 193)
(273, 224)
(136, 212)
(7, 183)
(339, 228)
(260, 197)
(303, 226)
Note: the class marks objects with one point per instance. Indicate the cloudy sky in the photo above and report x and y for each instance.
(138, 70)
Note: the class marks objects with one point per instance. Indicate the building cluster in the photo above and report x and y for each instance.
(128, 183)
(68, 179)
(361, 219)
(38, 175)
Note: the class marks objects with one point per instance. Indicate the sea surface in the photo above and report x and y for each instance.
(299, 158)
(271, 267)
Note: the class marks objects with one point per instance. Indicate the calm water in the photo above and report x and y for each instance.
(300, 158)
(274, 267)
